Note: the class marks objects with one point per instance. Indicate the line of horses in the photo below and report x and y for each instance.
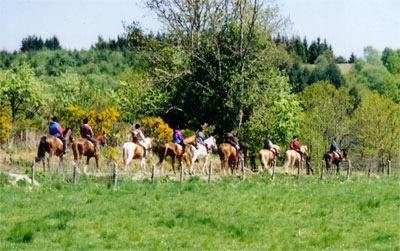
(192, 152)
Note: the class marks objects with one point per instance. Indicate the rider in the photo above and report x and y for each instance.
(230, 138)
(138, 138)
(268, 145)
(335, 147)
(201, 137)
(295, 145)
(178, 138)
(87, 133)
(55, 130)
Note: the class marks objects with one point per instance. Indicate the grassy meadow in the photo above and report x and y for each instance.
(227, 214)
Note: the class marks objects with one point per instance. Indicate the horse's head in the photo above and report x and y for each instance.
(304, 149)
(149, 143)
(277, 150)
(68, 135)
(345, 151)
(102, 139)
(211, 142)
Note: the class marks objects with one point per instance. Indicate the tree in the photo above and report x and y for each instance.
(326, 114)
(21, 90)
(352, 58)
(52, 43)
(220, 55)
(32, 43)
(391, 60)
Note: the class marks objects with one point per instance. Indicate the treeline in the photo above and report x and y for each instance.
(217, 71)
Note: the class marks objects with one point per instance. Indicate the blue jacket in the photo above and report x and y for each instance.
(334, 146)
(200, 137)
(53, 129)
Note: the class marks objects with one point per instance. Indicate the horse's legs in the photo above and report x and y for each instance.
(87, 163)
(62, 162)
(173, 164)
(192, 162)
(48, 162)
(97, 163)
(44, 165)
(338, 168)
(205, 165)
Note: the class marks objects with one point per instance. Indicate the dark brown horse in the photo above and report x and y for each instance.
(83, 147)
(53, 146)
(175, 151)
(228, 156)
(333, 158)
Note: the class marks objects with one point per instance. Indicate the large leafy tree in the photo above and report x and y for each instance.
(220, 55)
(20, 91)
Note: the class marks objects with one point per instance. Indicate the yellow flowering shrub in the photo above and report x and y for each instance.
(157, 128)
(99, 121)
(5, 125)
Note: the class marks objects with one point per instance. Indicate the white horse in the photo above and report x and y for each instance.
(131, 151)
(202, 152)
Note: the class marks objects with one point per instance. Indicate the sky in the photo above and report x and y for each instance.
(348, 25)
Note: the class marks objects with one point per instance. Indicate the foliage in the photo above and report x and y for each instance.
(99, 121)
(327, 113)
(157, 128)
(5, 124)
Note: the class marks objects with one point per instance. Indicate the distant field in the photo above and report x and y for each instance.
(344, 68)
(227, 214)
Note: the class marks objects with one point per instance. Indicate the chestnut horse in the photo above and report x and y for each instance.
(175, 151)
(334, 158)
(292, 158)
(53, 146)
(83, 147)
(267, 157)
(227, 155)
(132, 150)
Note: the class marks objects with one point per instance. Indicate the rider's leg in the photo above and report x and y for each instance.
(144, 148)
(64, 143)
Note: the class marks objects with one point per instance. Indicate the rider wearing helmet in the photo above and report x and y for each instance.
(230, 138)
(138, 138)
(55, 130)
(178, 138)
(295, 145)
(201, 137)
(87, 133)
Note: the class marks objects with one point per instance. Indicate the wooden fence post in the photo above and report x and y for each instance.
(273, 170)
(322, 170)
(26, 136)
(74, 174)
(33, 172)
(348, 169)
(181, 172)
(243, 171)
(210, 172)
(389, 171)
(152, 173)
(370, 169)
(115, 175)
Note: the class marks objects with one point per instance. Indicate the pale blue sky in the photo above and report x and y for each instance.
(348, 25)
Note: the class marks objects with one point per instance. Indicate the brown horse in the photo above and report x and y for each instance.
(83, 147)
(53, 146)
(227, 155)
(267, 157)
(175, 151)
(292, 158)
(334, 158)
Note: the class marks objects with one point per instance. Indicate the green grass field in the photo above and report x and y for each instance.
(227, 214)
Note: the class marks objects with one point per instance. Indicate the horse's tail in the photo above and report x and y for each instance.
(75, 150)
(287, 162)
(163, 155)
(41, 149)
(327, 162)
(221, 153)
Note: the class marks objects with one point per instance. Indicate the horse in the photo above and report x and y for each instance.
(227, 154)
(267, 157)
(53, 146)
(292, 158)
(202, 152)
(334, 158)
(175, 151)
(131, 150)
(83, 147)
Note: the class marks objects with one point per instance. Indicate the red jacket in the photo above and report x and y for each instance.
(295, 145)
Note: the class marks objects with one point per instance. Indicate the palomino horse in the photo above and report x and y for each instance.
(227, 155)
(211, 143)
(132, 150)
(292, 158)
(334, 158)
(53, 146)
(83, 147)
(267, 157)
(175, 151)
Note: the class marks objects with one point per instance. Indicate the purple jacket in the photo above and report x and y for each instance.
(177, 136)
